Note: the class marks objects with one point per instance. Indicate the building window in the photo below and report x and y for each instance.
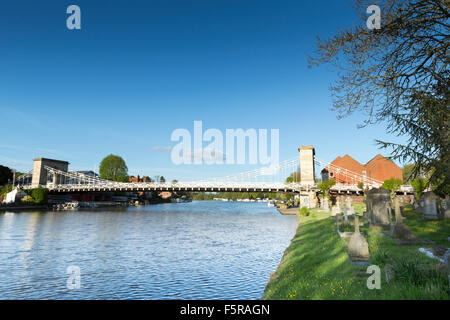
(331, 174)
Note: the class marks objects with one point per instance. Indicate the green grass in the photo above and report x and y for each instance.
(434, 230)
(316, 266)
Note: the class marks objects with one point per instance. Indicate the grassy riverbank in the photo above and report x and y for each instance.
(316, 265)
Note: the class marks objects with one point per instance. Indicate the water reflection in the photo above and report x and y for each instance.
(198, 250)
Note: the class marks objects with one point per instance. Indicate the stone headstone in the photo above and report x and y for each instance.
(398, 213)
(429, 202)
(344, 209)
(378, 203)
(348, 202)
(358, 248)
(446, 207)
(335, 211)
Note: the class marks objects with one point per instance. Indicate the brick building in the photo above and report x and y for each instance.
(138, 179)
(347, 170)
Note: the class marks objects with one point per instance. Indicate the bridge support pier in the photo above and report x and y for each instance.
(40, 173)
(307, 165)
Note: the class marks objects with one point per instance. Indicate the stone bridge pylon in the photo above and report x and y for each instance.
(40, 174)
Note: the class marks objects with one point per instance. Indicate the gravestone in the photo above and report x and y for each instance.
(446, 207)
(324, 204)
(358, 248)
(399, 230)
(429, 203)
(378, 204)
(344, 209)
(335, 211)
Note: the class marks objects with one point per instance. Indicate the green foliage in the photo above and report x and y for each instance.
(162, 179)
(412, 272)
(289, 179)
(392, 185)
(380, 258)
(28, 199)
(419, 185)
(114, 168)
(361, 185)
(304, 211)
(6, 189)
(174, 181)
(407, 173)
(325, 187)
(40, 195)
(6, 174)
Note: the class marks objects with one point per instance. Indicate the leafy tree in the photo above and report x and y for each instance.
(407, 172)
(325, 187)
(392, 185)
(162, 179)
(147, 179)
(174, 181)
(6, 174)
(294, 176)
(398, 75)
(40, 195)
(419, 185)
(114, 168)
(360, 185)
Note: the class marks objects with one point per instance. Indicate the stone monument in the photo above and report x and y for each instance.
(429, 202)
(399, 230)
(358, 248)
(378, 204)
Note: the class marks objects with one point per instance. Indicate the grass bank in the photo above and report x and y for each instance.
(316, 264)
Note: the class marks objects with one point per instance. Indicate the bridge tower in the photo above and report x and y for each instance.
(307, 165)
(40, 173)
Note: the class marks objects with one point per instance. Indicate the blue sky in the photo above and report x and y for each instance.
(137, 70)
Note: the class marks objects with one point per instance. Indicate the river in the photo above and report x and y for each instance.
(197, 250)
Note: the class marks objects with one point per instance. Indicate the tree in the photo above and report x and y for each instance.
(325, 187)
(174, 181)
(114, 168)
(162, 179)
(407, 172)
(392, 185)
(6, 174)
(419, 185)
(398, 75)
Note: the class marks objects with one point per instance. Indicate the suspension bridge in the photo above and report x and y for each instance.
(55, 176)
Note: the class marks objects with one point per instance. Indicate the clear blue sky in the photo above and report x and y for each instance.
(137, 70)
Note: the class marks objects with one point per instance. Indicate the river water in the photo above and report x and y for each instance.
(197, 250)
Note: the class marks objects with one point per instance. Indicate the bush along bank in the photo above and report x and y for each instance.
(316, 263)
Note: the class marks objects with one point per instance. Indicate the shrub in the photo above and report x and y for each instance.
(304, 212)
(410, 271)
(27, 199)
(40, 195)
(380, 258)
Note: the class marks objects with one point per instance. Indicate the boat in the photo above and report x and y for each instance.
(271, 203)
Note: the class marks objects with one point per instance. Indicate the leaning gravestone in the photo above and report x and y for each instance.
(399, 230)
(429, 202)
(378, 202)
(358, 248)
